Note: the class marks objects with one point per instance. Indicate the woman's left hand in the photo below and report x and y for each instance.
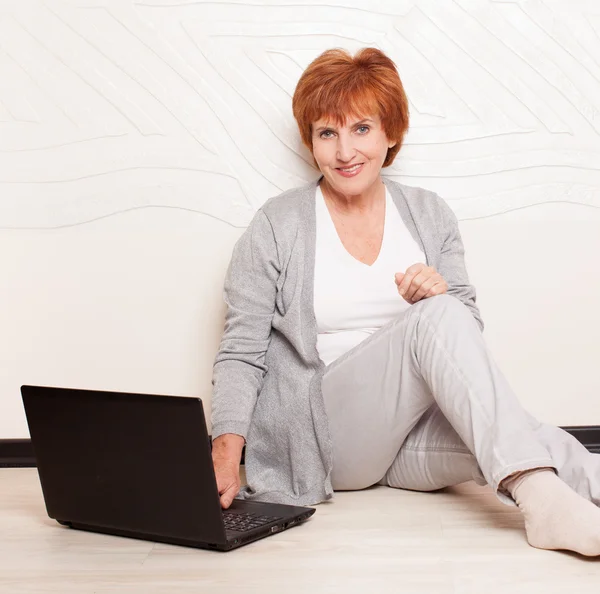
(419, 282)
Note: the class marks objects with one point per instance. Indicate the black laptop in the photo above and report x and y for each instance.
(139, 465)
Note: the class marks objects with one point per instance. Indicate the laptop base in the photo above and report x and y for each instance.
(232, 543)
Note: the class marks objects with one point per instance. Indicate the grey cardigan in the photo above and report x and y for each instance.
(267, 373)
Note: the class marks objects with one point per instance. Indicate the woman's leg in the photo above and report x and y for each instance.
(556, 517)
(576, 466)
(434, 456)
(434, 353)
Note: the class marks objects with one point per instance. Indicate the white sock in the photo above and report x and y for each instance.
(556, 517)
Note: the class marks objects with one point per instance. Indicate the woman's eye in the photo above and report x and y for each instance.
(326, 134)
(363, 129)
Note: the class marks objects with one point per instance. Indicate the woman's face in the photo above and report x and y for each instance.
(350, 156)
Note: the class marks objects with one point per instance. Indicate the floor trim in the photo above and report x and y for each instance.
(18, 453)
(588, 435)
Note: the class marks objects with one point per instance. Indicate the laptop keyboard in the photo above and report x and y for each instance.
(242, 522)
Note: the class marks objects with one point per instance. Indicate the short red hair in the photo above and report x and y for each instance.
(337, 86)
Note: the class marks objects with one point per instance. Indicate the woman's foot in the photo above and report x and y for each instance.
(556, 517)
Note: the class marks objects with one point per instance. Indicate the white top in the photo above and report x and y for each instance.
(351, 299)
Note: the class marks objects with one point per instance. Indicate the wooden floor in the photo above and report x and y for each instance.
(461, 540)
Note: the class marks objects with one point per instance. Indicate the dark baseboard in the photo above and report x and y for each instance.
(18, 453)
(589, 436)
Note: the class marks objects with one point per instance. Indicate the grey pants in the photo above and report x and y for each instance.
(421, 405)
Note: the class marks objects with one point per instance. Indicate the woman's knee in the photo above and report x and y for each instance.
(444, 301)
(441, 307)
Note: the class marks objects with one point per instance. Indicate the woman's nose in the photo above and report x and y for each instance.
(345, 151)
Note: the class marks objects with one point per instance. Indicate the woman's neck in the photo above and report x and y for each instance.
(349, 204)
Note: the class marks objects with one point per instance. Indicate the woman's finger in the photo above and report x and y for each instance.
(416, 283)
(439, 288)
(229, 495)
(426, 287)
(405, 284)
(409, 275)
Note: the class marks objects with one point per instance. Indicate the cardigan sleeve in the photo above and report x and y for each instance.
(451, 264)
(249, 292)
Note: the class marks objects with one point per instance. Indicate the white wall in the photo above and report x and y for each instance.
(138, 139)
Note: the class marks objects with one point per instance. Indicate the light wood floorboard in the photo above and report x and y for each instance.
(456, 541)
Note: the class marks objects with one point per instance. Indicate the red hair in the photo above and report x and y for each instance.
(337, 86)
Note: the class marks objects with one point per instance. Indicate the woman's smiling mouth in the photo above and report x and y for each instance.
(350, 171)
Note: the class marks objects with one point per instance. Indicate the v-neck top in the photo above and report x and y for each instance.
(353, 299)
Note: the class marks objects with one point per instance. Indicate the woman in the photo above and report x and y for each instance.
(352, 352)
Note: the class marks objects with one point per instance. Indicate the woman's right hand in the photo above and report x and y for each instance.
(226, 455)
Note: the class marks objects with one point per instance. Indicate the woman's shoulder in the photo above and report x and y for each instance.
(421, 201)
(290, 206)
(411, 193)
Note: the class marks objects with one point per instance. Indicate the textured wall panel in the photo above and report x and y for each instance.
(108, 106)
(137, 140)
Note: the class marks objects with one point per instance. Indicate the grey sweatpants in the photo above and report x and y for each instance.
(420, 404)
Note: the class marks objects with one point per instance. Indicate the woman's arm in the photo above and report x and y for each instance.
(249, 292)
(452, 266)
(226, 455)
